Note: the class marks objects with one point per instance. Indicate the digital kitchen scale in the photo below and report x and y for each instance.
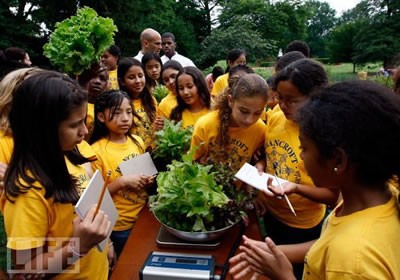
(175, 266)
(168, 240)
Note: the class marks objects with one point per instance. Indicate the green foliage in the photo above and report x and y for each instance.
(187, 194)
(321, 20)
(160, 91)
(79, 41)
(172, 141)
(240, 35)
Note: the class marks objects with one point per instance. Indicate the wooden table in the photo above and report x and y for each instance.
(142, 241)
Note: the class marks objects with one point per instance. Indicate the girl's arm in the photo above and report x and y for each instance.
(136, 182)
(317, 194)
(87, 233)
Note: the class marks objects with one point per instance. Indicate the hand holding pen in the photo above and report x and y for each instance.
(275, 166)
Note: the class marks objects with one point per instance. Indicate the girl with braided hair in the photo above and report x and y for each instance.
(233, 132)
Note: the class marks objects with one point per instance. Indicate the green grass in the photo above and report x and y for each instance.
(336, 72)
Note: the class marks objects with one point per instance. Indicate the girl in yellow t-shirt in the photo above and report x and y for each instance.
(95, 81)
(341, 152)
(110, 60)
(294, 86)
(193, 97)
(169, 72)
(40, 193)
(233, 132)
(113, 144)
(131, 77)
(153, 66)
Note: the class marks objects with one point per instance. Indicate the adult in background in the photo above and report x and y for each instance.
(150, 40)
(169, 46)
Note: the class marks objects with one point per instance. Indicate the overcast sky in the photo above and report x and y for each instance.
(341, 5)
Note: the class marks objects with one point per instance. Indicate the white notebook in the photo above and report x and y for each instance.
(249, 174)
(90, 197)
(141, 164)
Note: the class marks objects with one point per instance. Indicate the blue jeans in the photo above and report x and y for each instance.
(119, 238)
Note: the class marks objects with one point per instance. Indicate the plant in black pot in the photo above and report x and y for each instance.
(172, 142)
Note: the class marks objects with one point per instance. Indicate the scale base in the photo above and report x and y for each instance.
(168, 240)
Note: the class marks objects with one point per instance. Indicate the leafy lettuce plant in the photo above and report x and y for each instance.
(188, 196)
(160, 91)
(79, 41)
(172, 141)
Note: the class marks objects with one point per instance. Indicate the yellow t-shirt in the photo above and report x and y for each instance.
(79, 171)
(32, 218)
(189, 118)
(6, 147)
(167, 104)
(113, 79)
(144, 128)
(128, 202)
(282, 146)
(243, 142)
(221, 83)
(90, 119)
(362, 245)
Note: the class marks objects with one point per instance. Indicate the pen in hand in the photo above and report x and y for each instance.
(102, 193)
(275, 166)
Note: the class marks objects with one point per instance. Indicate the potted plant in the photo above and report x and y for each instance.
(172, 142)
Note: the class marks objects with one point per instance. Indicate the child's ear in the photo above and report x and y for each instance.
(101, 117)
(121, 82)
(230, 100)
(341, 160)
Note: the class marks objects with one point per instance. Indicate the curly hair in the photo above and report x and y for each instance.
(222, 104)
(363, 119)
(249, 85)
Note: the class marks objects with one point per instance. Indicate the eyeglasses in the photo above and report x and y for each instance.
(290, 102)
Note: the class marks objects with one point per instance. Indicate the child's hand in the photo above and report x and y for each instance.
(91, 230)
(138, 182)
(287, 188)
(159, 123)
(3, 169)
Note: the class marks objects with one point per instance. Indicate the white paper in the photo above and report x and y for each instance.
(90, 197)
(141, 164)
(249, 174)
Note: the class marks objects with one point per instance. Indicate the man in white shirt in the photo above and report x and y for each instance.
(150, 41)
(169, 46)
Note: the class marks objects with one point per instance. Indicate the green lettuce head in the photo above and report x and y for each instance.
(79, 41)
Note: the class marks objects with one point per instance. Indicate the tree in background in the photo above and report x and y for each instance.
(239, 35)
(372, 26)
(321, 20)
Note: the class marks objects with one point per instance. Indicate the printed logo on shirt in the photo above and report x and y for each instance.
(281, 153)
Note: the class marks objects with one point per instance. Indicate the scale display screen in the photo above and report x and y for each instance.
(160, 265)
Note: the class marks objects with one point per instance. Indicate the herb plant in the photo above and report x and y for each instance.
(172, 141)
(160, 91)
(79, 41)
